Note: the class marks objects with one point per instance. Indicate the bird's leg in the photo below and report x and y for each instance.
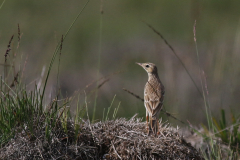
(147, 127)
(158, 132)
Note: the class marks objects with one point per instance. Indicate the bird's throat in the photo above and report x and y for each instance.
(153, 77)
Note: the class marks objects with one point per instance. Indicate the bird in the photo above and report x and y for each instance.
(153, 97)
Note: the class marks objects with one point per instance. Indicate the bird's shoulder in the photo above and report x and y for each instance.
(153, 88)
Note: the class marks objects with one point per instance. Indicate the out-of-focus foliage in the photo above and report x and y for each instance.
(125, 40)
(228, 134)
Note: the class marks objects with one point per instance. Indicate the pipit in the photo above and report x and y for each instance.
(153, 97)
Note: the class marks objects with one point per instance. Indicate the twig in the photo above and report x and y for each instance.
(166, 42)
(165, 112)
(60, 53)
(15, 80)
(8, 48)
(25, 63)
(116, 151)
(19, 36)
(106, 78)
(138, 97)
(100, 85)
(122, 137)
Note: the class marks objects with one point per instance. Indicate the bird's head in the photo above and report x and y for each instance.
(149, 67)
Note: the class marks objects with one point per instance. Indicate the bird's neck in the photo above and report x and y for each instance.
(153, 77)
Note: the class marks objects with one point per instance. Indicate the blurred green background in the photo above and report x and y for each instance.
(124, 40)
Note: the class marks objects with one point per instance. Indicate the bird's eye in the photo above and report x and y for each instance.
(147, 65)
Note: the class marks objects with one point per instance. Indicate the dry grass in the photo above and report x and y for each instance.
(115, 139)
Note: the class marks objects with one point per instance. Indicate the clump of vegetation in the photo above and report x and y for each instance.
(112, 139)
(229, 135)
(222, 138)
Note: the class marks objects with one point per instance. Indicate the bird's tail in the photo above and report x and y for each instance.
(154, 125)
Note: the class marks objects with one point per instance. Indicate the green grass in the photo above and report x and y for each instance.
(20, 107)
(218, 134)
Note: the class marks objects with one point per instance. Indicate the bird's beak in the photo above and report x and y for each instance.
(140, 64)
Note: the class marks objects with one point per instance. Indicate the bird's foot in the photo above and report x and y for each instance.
(147, 129)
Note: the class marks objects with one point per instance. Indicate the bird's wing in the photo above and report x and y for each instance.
(152, 104)
(153, 97)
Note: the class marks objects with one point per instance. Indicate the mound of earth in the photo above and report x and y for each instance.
(114, 139)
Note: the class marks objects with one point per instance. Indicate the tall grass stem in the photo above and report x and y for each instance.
(2, 4)
(56, 50)
(99, 57)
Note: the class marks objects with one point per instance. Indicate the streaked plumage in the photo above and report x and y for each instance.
(153, 96)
